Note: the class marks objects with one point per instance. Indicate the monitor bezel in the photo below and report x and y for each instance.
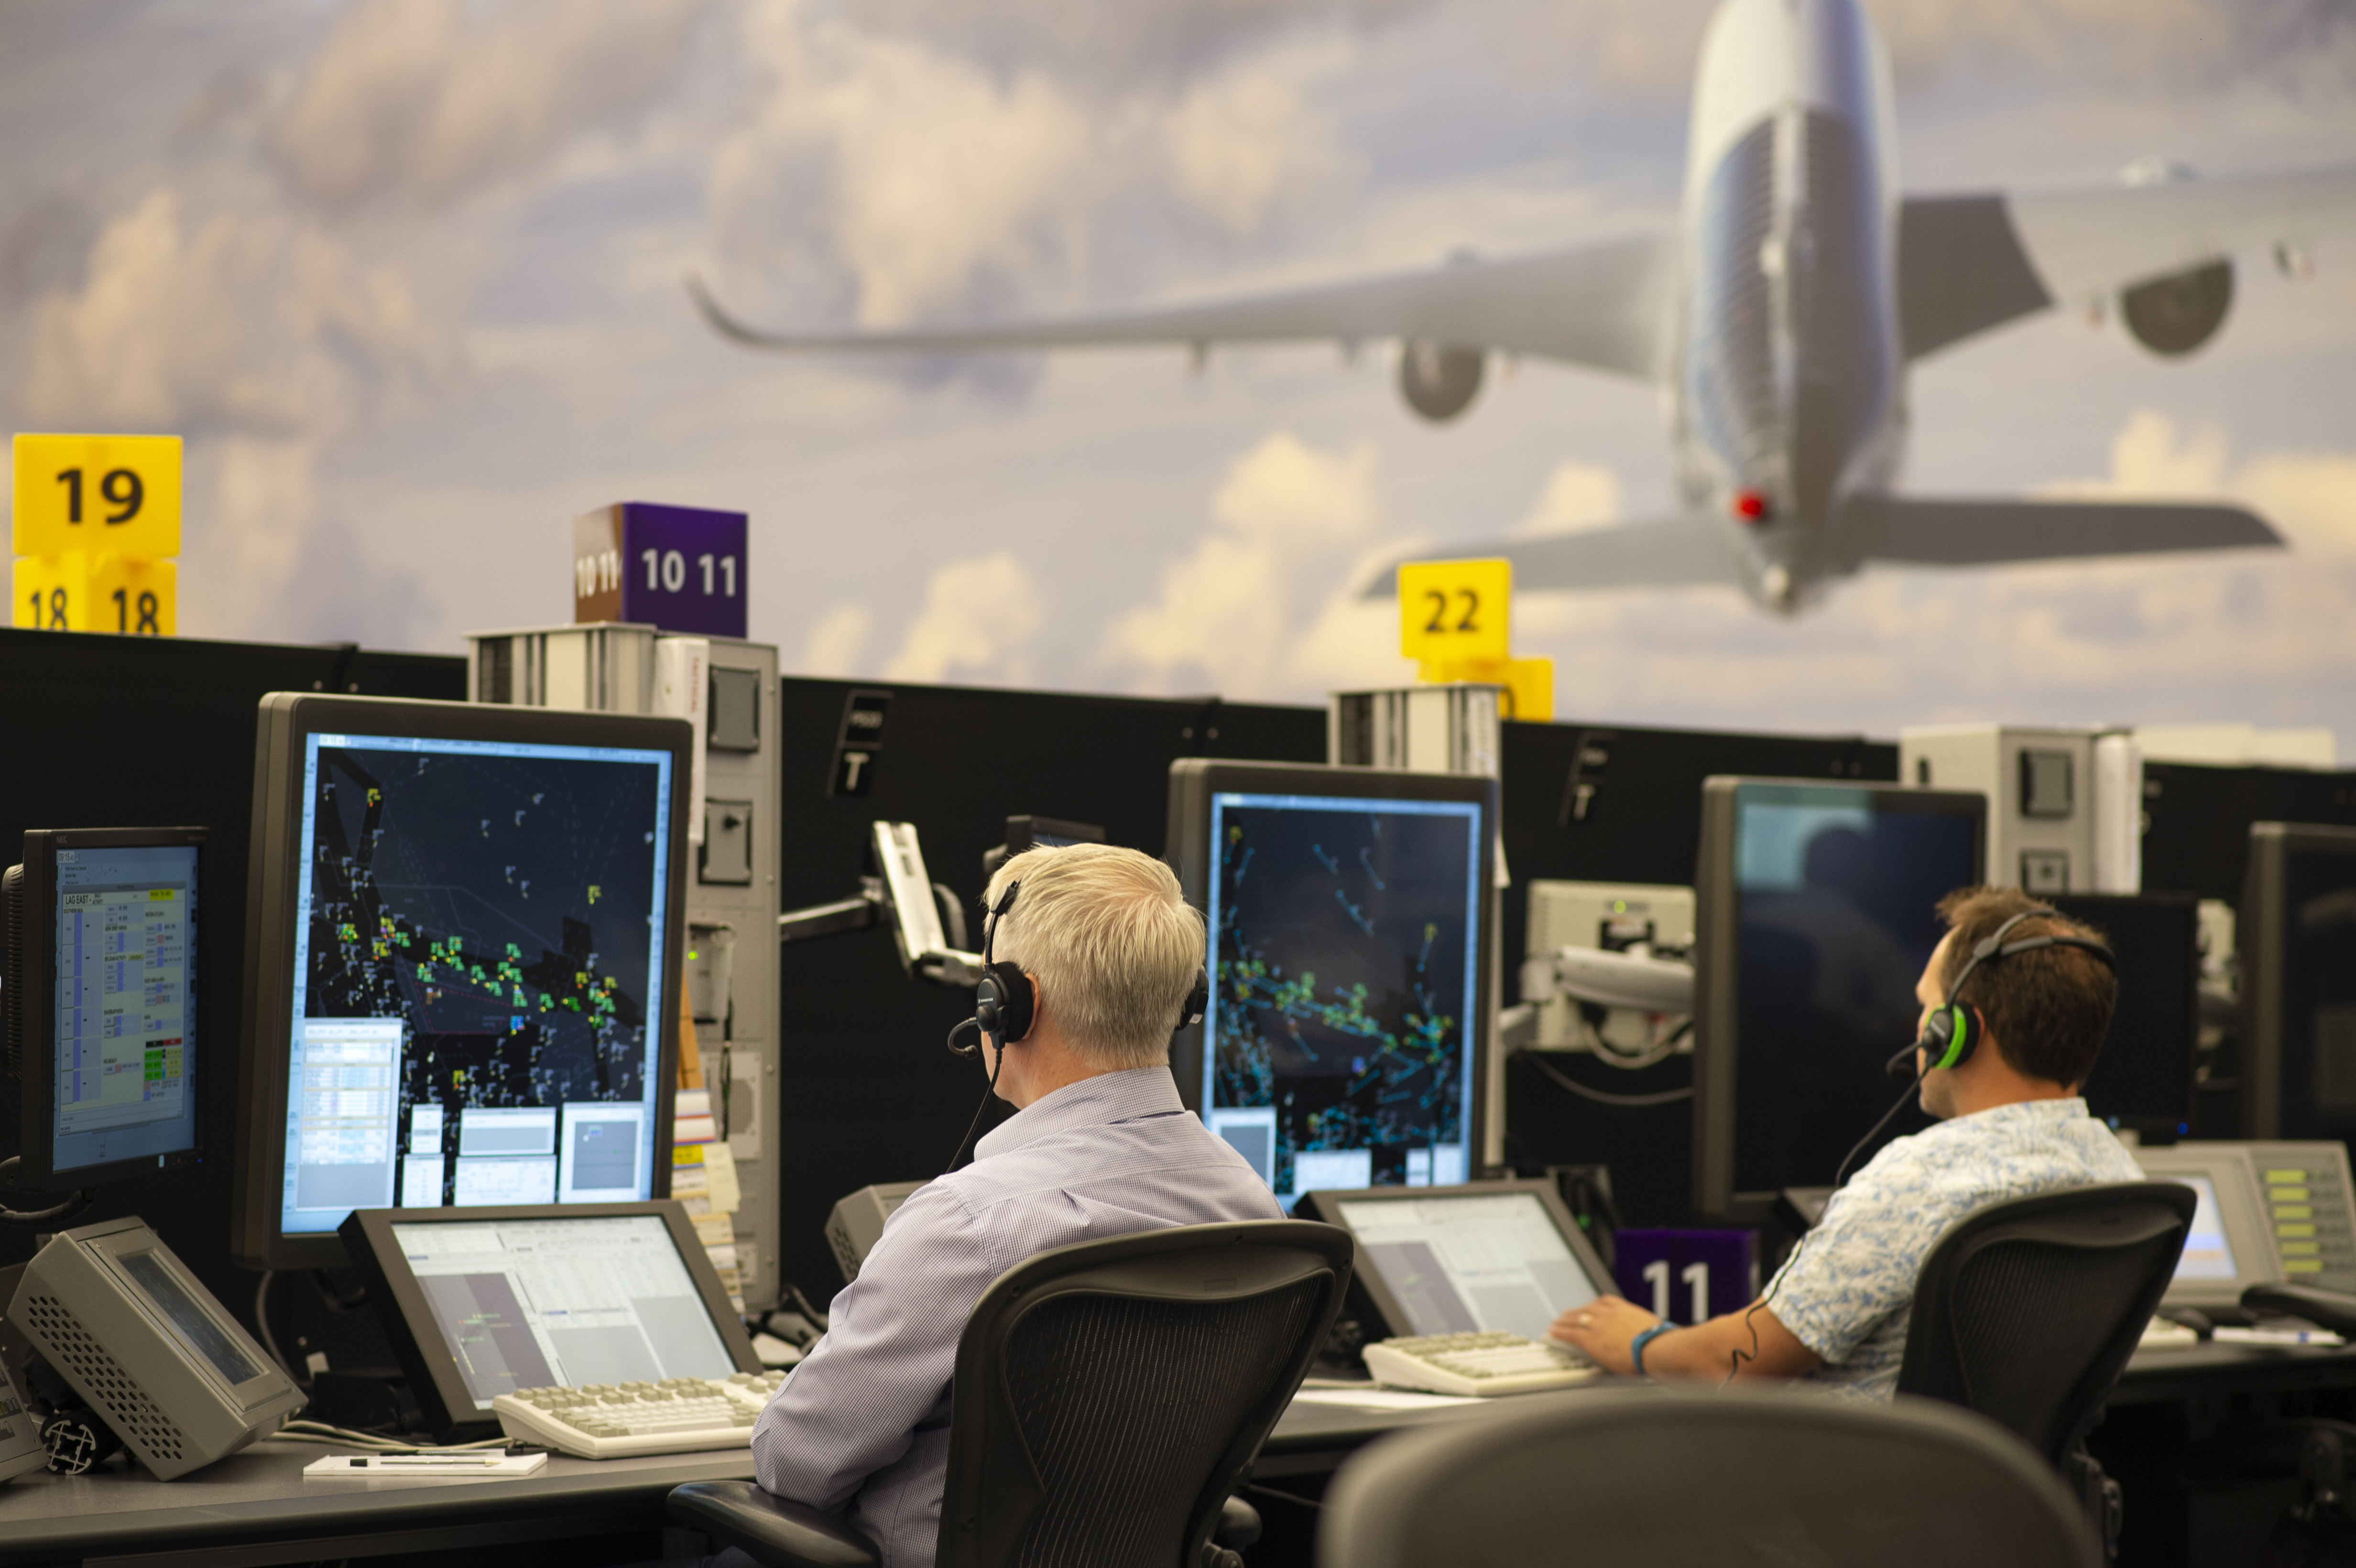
(443, 1396)
(2089, 907)
(1717, 966)
(284, 724)
(37, 1039)
(1193, 781)
(2259, 940)
(1327, 1206)
(2241, 1208)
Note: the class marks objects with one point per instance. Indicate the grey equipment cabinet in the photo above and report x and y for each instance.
(148, 1348)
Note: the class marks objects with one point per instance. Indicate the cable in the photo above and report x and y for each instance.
(262, 1323)
(374, 1442)
(1736, 1357)
(75, 1203)
(997, 1061)
(1601, 1097)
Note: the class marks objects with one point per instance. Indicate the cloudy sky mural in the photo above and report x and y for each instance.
(407, 274)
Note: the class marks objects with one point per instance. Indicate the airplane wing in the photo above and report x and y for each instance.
(1966, 263)
(1603, 305)
(1928, 530)
(1679, 551)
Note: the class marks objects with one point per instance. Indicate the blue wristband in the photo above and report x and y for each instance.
(1636, 1346)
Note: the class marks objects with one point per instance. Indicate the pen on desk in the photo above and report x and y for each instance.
(384, 1461)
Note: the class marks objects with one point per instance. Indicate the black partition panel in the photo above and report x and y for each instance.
(2197, 835)
(1619, 803)
(109, 731)
(869, 1091)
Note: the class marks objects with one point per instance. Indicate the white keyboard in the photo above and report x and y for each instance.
(1491, 1361)
(615, 1421)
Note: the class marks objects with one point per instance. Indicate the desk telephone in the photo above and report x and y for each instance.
(157, 1364)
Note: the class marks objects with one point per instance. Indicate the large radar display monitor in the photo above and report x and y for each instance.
(463, 919)
(1349, 910)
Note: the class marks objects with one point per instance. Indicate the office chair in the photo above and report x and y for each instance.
(2027, 1311)
(1682, 1478)
(1107, 1398)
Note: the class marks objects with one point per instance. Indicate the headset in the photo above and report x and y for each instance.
(1004, 1006)
(1951, 1033)
(1949, 1038)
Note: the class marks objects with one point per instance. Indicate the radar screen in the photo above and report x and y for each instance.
(1344, 953)
(478, 1018)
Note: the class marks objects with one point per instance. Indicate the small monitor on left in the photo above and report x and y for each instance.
(464, 933)
(100, 1002)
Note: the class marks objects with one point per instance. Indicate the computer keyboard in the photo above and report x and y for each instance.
(1488, 1362)
(615, 1421)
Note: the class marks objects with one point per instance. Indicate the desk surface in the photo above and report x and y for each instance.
(257, 1506)
(259, 1498)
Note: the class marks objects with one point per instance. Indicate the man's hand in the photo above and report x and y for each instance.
(1603, 1332)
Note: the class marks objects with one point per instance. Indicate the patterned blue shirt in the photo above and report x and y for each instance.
(1848, 1290)
(864, 1420)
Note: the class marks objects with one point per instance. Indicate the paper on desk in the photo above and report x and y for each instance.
(1382, 1398)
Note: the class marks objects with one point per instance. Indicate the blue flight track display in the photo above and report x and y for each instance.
(478, 973)
(1344, 987)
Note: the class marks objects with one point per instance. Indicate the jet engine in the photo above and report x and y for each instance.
(2173, 317)
(1439, 381)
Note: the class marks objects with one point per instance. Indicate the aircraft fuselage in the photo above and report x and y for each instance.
(1786, 382)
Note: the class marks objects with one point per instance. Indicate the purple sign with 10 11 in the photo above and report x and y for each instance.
(677, 567)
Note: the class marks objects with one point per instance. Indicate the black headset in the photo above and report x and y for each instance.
(1950, 1034)
(1004, 1009)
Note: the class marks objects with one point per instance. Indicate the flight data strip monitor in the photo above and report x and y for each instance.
(1460, 1263)
(1345, 987)
(477, 975)
(524, 1304)
(125, 1002)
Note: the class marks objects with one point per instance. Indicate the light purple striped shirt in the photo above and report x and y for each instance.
(864, 1420)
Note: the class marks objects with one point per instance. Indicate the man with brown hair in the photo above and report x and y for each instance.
(2011, 1123)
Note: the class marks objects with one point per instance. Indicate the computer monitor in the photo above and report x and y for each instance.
(99, 999)
(2231, 1246)
(2143, 1080)
(2297, 931)
(487, 1302)
(1487, 1254)
(1815, 910)
(1349, 912)
(464, 926)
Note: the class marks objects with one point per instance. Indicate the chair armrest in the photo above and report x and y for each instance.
(777, 1531)
(1238, 1525)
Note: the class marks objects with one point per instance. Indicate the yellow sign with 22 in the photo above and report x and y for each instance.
(1452, 611)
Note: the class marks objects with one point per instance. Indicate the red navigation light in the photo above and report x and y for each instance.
(1750, 505)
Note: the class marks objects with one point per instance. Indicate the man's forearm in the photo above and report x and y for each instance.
(1750, 1343)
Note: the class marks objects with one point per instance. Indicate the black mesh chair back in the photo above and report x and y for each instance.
(1108, 1396)
(1683, 1478)
(2027, 1311)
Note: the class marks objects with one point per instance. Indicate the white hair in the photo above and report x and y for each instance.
(1113, 944)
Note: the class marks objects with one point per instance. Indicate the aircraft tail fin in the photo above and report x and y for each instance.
(1681, 549)
(1929, 530)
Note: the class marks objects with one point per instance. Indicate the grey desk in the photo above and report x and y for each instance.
(257, 1506)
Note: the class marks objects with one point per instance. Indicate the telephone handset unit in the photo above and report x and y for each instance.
(147, 1347)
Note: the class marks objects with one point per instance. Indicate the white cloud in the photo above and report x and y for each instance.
(898, 175)
(428, 101)
(835, 644)
(247, 319)
(1265, 604)
(979, 615)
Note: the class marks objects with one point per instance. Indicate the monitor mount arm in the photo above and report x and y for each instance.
(927, 920)
(1610, 979)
